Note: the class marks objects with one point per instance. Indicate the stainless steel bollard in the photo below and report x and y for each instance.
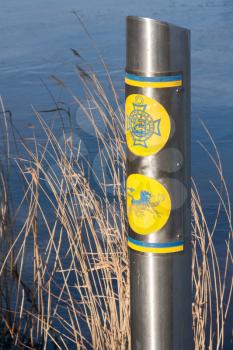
(157, 89)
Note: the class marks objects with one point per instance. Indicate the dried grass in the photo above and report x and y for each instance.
(67, 265)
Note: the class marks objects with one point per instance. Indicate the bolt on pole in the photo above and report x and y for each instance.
(157, 106)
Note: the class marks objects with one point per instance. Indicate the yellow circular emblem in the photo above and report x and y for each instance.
(148, 204)
(147, 125)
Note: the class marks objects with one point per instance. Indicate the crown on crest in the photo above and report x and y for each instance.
(138, 104)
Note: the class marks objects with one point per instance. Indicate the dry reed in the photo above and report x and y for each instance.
(67, 265)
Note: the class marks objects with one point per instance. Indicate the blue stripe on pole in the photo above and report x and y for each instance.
(167, 78)
(155, 245)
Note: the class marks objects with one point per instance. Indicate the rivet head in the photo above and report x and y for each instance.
(179, 90)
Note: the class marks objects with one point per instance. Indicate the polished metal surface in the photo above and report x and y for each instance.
(160, 284)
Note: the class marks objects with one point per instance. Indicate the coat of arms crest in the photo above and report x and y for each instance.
(141, 124)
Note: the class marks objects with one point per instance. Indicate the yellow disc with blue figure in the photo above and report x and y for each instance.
(147, 125)
(148, 204)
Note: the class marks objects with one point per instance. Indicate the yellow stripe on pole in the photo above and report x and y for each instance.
(156, 250)
(157, 84)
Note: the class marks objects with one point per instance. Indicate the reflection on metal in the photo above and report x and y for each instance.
(157, 86)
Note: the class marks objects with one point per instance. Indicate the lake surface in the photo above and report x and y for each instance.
(35, 41)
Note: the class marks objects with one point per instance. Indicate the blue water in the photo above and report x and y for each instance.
(36, 39)
(35, 42)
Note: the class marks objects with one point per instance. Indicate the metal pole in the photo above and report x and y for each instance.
(158, 184)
